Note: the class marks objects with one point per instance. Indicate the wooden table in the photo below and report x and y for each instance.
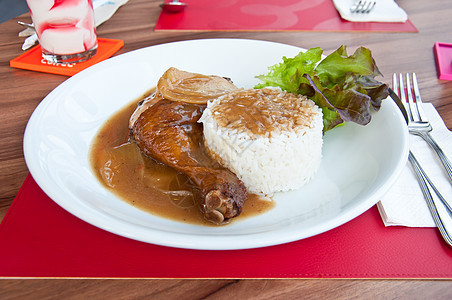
(22, 91)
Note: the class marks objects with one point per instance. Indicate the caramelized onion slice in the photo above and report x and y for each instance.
(189, 87)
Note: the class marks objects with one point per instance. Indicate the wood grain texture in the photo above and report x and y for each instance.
(22, 91)
(325, 289)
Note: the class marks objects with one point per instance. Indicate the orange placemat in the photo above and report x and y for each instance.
(32, 59)
(268, 15)
(40, 239)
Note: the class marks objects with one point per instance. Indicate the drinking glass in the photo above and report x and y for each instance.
(65, 29)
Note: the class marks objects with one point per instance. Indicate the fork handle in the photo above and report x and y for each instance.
(441, 217)
(442, 157)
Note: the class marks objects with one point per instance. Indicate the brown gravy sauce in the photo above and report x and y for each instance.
(146, 184)
(262, 111)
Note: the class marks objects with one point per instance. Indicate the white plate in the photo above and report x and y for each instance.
(359, 163)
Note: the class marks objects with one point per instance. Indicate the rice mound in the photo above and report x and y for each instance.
(272, 140)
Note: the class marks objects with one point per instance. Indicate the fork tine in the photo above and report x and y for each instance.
(369, 7)
(364, 7)
(360, 6)
(404, 98)
(411, 103)
(402, 89)
(355, 6)
(395, 85)
(417, 96)
(399, 102)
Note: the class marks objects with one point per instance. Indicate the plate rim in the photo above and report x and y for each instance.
(220, 245)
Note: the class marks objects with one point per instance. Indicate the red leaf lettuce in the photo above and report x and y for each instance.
(343, 86)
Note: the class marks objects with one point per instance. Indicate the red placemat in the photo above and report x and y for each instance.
(268, 15)
(32, 59)
(40, 239)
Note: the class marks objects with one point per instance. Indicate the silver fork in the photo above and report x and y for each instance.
(419, 123)
(443, 216)
(363, 6)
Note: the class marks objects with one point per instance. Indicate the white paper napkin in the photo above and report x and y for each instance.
(384, 11)
(103, 10)
(404, 204)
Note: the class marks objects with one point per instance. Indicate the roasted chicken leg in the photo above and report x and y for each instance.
(168, 132)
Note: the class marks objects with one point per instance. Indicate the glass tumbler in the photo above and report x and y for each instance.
(65, 28)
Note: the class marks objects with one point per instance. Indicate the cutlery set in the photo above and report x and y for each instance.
(409, 101)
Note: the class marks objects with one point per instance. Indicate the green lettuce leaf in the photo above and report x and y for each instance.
(343, 86)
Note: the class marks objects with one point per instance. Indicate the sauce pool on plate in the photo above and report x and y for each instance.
(145, 183)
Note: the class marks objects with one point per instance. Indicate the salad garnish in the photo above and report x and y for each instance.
(343, 86)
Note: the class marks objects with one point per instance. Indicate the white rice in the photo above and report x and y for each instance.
(271, 140)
